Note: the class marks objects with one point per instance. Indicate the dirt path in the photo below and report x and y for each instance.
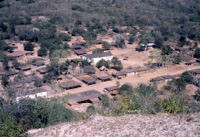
(133, 80)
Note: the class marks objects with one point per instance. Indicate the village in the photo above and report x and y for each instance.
(85, 85)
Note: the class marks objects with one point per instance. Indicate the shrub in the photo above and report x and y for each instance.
(42, 52)
(64, 37)
(5, 80)
(78, 31)
(174, 105)
(188, 77)
(197, 53)
(102, 63)
(177, 59)
(117, 64)
(166, 50)
(91, 109)
(28, 46)
(105, 100)
(125, 89)
(15, 64)
(131, 39)
(180, 84)
(106, 45)
(197, 95)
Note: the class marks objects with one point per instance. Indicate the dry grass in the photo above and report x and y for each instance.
(160, 125)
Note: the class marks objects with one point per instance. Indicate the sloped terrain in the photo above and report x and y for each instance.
(160, 125)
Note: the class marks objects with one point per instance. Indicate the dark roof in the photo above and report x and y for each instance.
(91, 95)
(16, 54)
(24, 68)
(197, 71)
(10, 73)
(80, 51)
(38, 63)
(89, 70)
(165, 77)
(98, 55)
(102, 76)
(70, 84)
(89, 81)
(42, 70)
(111, 88)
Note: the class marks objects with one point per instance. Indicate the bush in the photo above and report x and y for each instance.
(174, 105)
(64, 37)
(197, 95)
(177, 59)
(180, 84)
(131, 39)
(91, 109)
(166, 50)
(125, 89)
(28, 46)
(188, 77)
(106, 45)
(42, 52)
(102, 63)
(197, 53)
(117, 64)
(5, 80)
(105, 100)
(78, 31)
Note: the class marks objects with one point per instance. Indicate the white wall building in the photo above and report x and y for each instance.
(98, 56)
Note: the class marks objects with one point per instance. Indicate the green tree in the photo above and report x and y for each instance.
(42, 52)
(125, 89)
(131, 39)
(5, 80)
(28, 46)
(116, 63)
(102, 63)
(197, 53)
(166, 50)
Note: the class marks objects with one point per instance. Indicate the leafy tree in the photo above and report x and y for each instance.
(42, 52)
(180, 84)
(5, 80)
(125, 89)
(131, 39)
(197, 53)
(78, 31)
(177, 59)
(102, 63)
(188, 77)
(5, 63)
(64, 37)
(158, 42)
(91, 109)
(119, 41)
(166, 50)
(116, 63)
(28, 46)
(106, 46)
(9, 127)
(16, 64)
(4, 46)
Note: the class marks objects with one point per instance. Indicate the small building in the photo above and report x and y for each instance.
(80, 51)
(70, 84)
(32, 94)
(88, 79)
(90, 96)
(196, 71)
(29, 53)
(98, 56)
(24, 67)
(102, 77)
(38, 63)
(10, 73)
(110, 89)
(89, 70)
(164, 78)
(42, 70)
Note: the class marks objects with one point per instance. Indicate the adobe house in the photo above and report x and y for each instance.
(70, 84)
(24, 67)
(164, 78)
(89, 80)
(38, 63)
(89, 70)
(90, 96)
(42, 70)
(97, 57)
(102, 77)
(80, 51)
(16, 54)
(112, 90)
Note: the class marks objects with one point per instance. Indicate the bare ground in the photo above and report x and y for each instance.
(160, 125)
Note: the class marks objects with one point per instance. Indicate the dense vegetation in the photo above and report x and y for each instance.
(16, 119)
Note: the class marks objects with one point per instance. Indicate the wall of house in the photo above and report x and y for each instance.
(95, 60)
(32, 96)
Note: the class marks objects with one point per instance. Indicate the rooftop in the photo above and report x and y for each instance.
(70, 84)
(98, 55)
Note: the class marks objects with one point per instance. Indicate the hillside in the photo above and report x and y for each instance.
(160, 125)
